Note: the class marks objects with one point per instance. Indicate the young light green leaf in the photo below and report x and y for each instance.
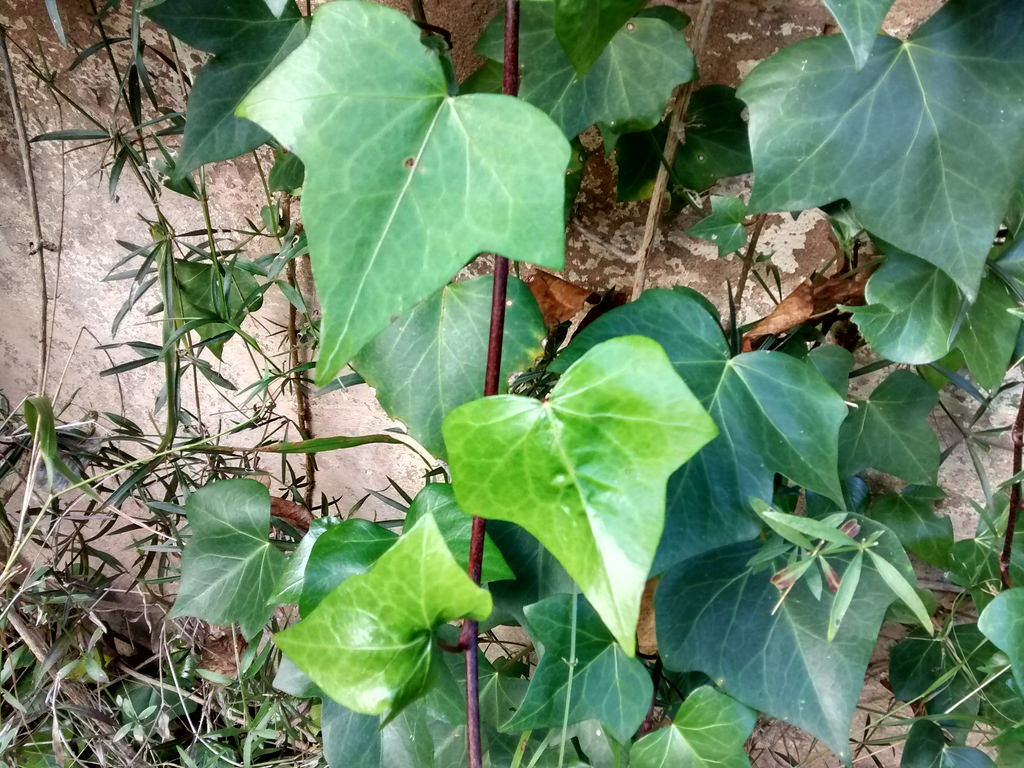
(585, 27)
(584, 471)
(775, 414)
(626, 89)
(890, 431)
(781, 521)
(369, 644)
(229, 568)
(438, 500)
(383, 241)
(1002, 622)
(605, 684)
(902, 588)
(724, 227)
(432, 358)
(844, 595)
(906, 123)
(860, 21)
(708, 731)
(714, 614)
(249, 40)
(345, 550)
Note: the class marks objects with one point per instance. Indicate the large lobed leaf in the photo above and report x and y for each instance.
(369, 644)
(229, 568)
(860, 21)
(249, 40)
(626, 89)
(585, 27)
(926, 142)
(599, 682)
(433, 357)
(584, 471)
(714, 614)
(404, 183)
(1002, 622)
(774, 414)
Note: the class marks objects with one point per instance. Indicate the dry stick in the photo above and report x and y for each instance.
(33, 203)
(748, 260)
(1017, 437)
(492, 378)
(676, 136)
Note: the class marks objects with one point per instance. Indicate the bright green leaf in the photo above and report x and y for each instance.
(42, 426)
(844, 594)
(724, 227)
(249, 40)
(392, 165)
(903, 589)
(860, 21)
(584, 471)
(229, 568)
(345, 550)
(902, 139)
(708, 731)
(1002, 622)
(890, 431)
(714, 614)
(774, 414)
(911, 516)
(438, 500)
(926, 747)
(716, 147)
(805, 525)
(369, 644)
(627, 88)
(585, 27)
(433, 358)
(598, 682)
(206, 290)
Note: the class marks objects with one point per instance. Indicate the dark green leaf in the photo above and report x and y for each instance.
(890, 431)
(322, 444)
(383, 241)
(433, 358)
(1002, 622)
(369, 645)
(598, 682)
(626, 89)
(289, 586)
(345, 550)
(911, 516)
(714, 615)
(438, 500)
(906, 124)
(204, 290)
(988, 333)
(352, 739)
(724, 227)
(774, 414)
(585, 27)
(860, 21)
(229, 567)
(926, 748)
(537, 573)
(584, 471)
(708, 731)
(834, 364)
(43, 427)
(287, 174)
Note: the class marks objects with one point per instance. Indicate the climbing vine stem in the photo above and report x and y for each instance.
(1017, 437)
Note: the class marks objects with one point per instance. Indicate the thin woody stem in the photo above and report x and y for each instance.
(1017, 437)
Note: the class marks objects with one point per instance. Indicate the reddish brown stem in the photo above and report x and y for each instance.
(492, 381)
(1017, 437)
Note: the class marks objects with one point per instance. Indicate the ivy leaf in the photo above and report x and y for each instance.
(627, 88)
(369, 644)
(208, 290)
(907, 123)
(716, 146)
(347, 549)
(392, 165)
(287, 174)
(724, 227)
(860, 21)
(585, 27)
(585, 470)
(910, 311)
(926, 747)
(432, 358)
(910, 514)
(988, 334)
(1002, 622)
(248, 39)
(715, 615)
(229, 567)
(351, 738)
(708, 731)
(289, 585)
(774, 414)
(890, 431)
(598, 682)
(438, 500)
(537, 573)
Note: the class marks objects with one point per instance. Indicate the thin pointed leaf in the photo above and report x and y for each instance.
(903, 589)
